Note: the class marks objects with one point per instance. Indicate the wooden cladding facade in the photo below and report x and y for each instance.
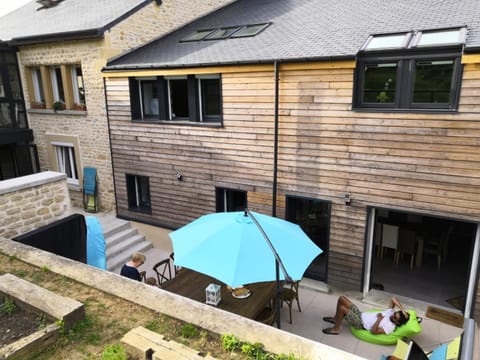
(411, 161)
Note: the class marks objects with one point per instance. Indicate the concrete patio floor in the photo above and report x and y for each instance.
(318, 300)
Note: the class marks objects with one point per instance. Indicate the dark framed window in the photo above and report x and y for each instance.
(177, 98)
(418, 70)
(138, 193)
(210, 99)
(230, 200)
(411, 80)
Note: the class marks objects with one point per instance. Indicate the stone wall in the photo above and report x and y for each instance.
(88, 130)
(30, 202)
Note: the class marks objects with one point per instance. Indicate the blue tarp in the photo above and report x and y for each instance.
(96, 247)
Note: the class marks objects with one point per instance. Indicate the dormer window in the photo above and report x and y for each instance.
(412, 70)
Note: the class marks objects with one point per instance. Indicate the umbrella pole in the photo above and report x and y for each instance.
(278, 261)
(278, 293)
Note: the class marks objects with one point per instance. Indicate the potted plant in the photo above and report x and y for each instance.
(58, 105)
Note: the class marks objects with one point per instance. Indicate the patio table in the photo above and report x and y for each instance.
(192, 284)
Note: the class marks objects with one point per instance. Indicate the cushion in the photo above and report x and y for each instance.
(409, 329)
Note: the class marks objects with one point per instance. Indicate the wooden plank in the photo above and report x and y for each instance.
(445, 316)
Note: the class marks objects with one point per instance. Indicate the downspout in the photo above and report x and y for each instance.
(274, 187)
(275, 141)
(110, 142)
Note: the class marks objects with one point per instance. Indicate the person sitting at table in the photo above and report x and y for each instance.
(383, 322)
(130, 268)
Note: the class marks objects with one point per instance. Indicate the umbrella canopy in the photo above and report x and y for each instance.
(232, 248)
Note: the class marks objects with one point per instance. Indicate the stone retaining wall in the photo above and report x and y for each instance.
(199, 314)
(30, 202)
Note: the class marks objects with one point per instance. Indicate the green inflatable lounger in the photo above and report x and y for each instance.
(412, 327)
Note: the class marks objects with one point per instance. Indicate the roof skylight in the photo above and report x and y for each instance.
(198, 35)
(394, 41)
(440, 37)
(412, 39)
(250, 30)
(226, 32)
(222, 33)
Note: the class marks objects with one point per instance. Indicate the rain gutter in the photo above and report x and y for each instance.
(275, 141)
(151, 66)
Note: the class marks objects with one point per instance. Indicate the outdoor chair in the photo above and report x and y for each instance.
(163, 271)
(437, 245)
(407, 244)
(176, 268)
(90, 201)
(389, 239)
(289, 295)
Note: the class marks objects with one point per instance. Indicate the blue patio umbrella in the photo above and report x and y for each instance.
(240, 248)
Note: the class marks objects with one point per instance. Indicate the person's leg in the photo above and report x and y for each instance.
(343, 304)
(343, 308)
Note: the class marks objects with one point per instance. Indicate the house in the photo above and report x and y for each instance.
(61, 47)
(18, 153)
(357, 120)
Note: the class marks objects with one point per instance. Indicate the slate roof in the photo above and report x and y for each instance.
(68, 19)
(302, 30)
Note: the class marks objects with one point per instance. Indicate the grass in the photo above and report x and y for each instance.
(108, 318)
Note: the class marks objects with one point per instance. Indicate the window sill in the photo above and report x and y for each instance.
(74, 187)
(179, 122)
(141, 211)
(58, 112)
(406, 111)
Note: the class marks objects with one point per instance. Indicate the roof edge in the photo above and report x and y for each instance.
(115, 68)
(127, 14)
(54, 37)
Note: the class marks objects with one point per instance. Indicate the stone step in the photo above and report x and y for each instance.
(113, 226)
(125, 245)
(117, 237)
(122, 240)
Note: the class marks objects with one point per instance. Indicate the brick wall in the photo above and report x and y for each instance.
(30, 202)
(90, 129)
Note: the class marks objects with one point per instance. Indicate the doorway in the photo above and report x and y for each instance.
(422, 257)
(313, 216)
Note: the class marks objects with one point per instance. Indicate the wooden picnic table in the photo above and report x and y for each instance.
(192, 284)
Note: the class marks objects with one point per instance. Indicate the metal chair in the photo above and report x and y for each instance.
(175, 267)
(161, 268)
(289, 295)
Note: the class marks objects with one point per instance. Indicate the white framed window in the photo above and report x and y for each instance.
(77, 85)
(65, 156)
(37, 83)
(57, 84)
